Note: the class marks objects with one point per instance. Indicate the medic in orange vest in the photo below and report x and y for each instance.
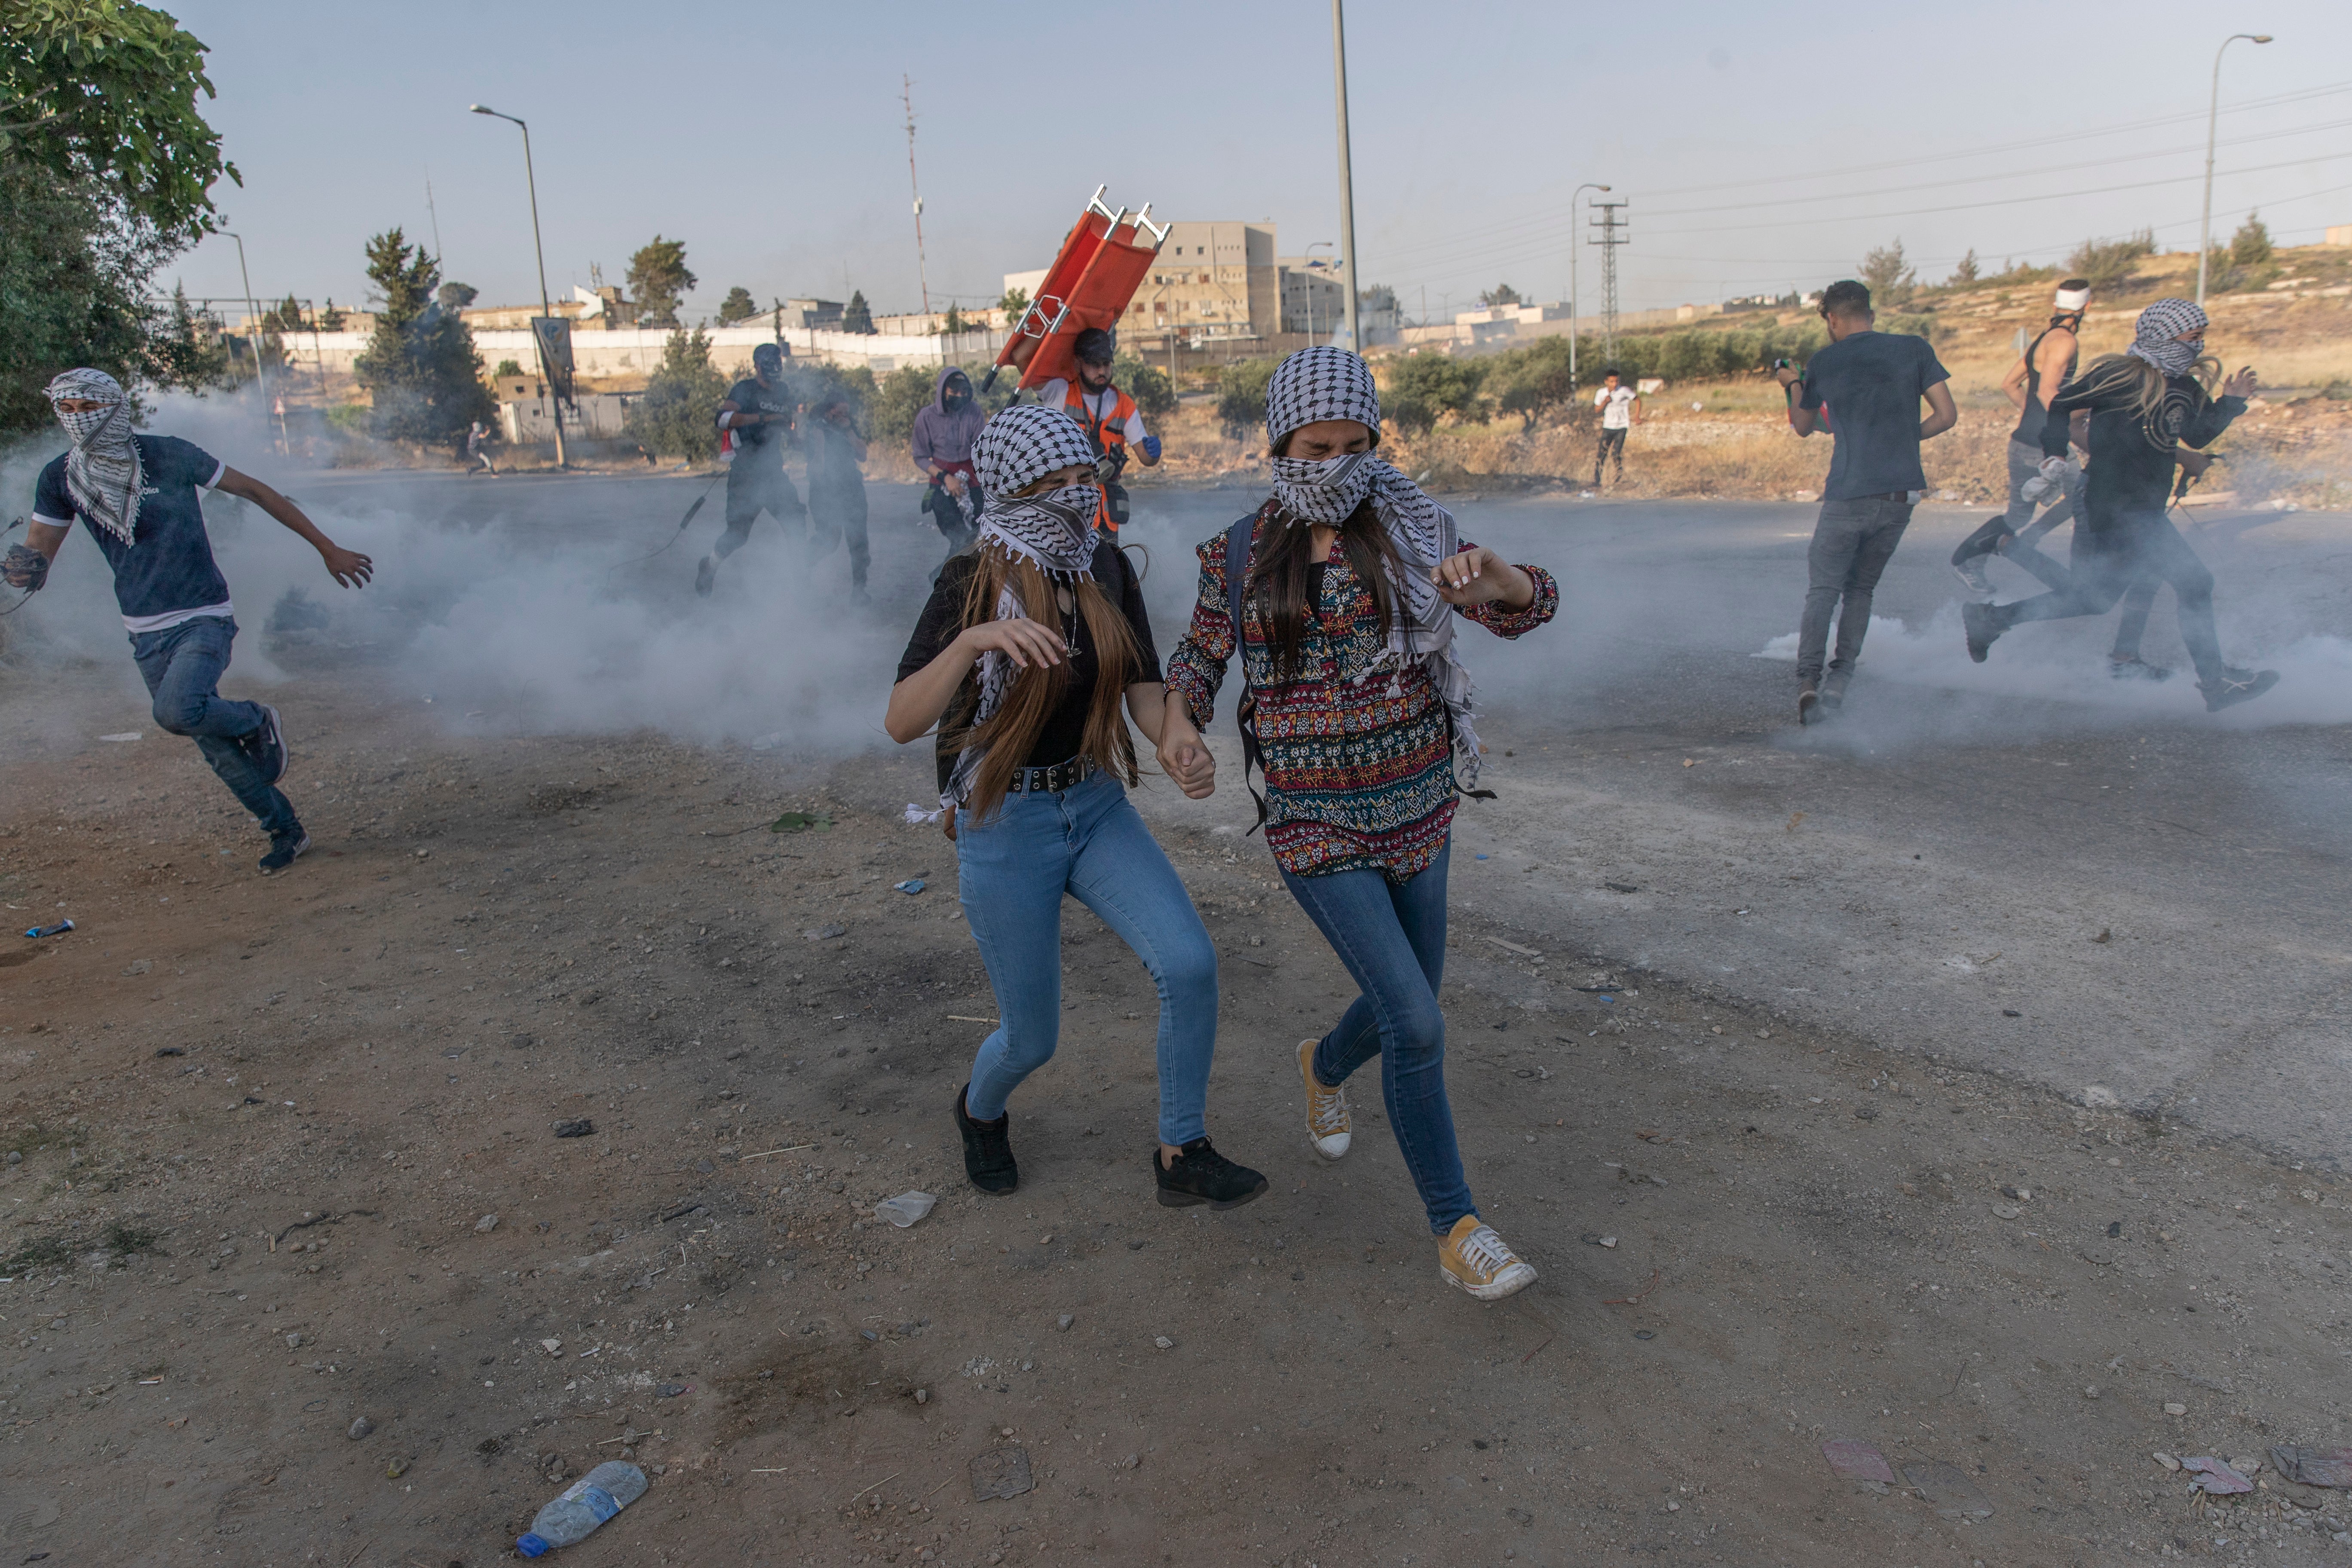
(1109, 417)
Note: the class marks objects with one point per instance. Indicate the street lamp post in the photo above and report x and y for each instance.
(555, 400)
(1347, 179)
(2212, 116)
(1309, 257)
(252, 327)
(1573, 234)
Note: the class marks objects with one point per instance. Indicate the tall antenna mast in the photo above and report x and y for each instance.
(435, 211)
(922, 272)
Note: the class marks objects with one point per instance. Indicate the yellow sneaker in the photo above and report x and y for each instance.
(1472, 1257)
(1327, 1109)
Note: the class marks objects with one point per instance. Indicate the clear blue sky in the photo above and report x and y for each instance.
(1760, 151)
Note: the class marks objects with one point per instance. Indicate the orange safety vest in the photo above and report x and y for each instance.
(1105, 434)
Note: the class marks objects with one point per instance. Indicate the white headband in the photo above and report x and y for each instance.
(2073, 298)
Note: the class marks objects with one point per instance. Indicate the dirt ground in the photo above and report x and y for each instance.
(290, 1173)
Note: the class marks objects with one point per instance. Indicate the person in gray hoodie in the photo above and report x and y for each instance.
(942, 446)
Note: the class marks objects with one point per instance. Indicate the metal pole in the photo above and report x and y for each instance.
(1575, 234)
(2212, 118)
(922, 269)
(546, 369)
(252, 326)
(1347, 180)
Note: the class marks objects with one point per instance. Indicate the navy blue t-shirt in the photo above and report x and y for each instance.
(167, 568)
(1873, 382)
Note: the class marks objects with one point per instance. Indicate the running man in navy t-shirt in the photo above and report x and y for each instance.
(137, 496)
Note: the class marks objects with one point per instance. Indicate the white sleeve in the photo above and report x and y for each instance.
(1054, 393)
(1134, 427)
(726, 417)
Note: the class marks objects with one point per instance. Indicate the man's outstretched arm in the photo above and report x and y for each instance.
(43, 539)
(347, 567)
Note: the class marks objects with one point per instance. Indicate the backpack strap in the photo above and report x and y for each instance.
(1237, 566)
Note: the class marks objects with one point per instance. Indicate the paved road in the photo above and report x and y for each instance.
(2019, 866)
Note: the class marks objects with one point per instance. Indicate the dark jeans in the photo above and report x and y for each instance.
(2127, 560)
(1391, 937)
(1612, 445)
(1852, 542)
(835, 518)
(182, 666)
(948, 515)
(754, 483)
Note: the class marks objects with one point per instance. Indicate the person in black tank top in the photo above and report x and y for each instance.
(2046, 366)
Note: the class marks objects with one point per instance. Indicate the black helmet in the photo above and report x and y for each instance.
(1095, 346)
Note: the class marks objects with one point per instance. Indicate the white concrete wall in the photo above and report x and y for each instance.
(602, 354)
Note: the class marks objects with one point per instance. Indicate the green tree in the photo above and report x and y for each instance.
(420, 365)
(1531, 382)
(1500, 294)
(106, 171)
(1424, 387)
(1241, 395)
(507, 367)
(1153, 394)
(1892, 279)
(2107, 263)
(903, 394)
(331, 319)
(739, 306)
(658, 276)
(1966, 273)
(2251, 246)
(186, 350)
(1015, 304)
(857, 316)
(453, 297)
(679, 415)
(954, 322)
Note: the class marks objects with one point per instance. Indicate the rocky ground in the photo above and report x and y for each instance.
(301, 1268)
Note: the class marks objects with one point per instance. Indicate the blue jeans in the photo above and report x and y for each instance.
(182, 666)
(1391, 937)
(1087, 842)
(1852, 542)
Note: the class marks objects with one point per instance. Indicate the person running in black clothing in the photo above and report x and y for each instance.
(837, 487)
(758, 412)
(2046, 366)
(2142, 413)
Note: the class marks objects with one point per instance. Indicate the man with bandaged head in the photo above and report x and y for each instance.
(756, 416)
(2045, 368)
(138, 496)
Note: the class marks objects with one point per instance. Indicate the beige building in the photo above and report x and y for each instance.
(1210, 282)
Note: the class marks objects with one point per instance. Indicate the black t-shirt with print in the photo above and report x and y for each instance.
(762, 443)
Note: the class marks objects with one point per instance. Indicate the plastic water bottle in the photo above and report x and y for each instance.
(583, 1505)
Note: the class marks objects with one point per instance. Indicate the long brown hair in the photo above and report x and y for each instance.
(1036, 691)
(1280, 568)
(2144, 385)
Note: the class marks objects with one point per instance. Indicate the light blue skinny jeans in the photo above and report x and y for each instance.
(1087, 842)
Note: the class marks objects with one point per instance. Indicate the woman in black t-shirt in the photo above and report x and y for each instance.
(1022, 657)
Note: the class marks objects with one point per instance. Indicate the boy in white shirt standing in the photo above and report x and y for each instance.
(1620, 407)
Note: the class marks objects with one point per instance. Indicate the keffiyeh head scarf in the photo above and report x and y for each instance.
(102, 471)
(1327, 383)
(1054, 531)
(2156, 336)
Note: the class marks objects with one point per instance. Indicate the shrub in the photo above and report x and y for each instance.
(1241, 395)
(1424, 388)
(1532, 381)
(1154, 394)
(2107, 263)
(898, 397)
(679, 415)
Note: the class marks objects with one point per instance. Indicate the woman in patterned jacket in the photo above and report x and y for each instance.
(1358, 706)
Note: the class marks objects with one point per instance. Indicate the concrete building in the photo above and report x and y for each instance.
(2340, 234)
(1314, 301)
(1211, 282)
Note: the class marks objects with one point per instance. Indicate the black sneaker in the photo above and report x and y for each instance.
(285, 849)
(1201, 1175)
(987, 1149)
(266, 747)
(2236, 686)
(704, 575)
(2137, 669)
(1982, 625)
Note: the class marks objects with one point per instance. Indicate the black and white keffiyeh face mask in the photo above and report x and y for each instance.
(1056, 530)
(102, 471)
(2156, 336)
(1327, 383)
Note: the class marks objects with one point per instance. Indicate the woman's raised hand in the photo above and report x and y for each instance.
(2241, 384)
(1473, 576)
(1025, 642)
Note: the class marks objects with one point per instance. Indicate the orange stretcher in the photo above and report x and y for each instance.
(1090, 285)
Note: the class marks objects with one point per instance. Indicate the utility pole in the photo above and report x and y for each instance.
(1612, 235)
(1347, 179)
(1572, 282)
(434, 212)
(922, 270)
(252, 327)
(2212, 117)
(539, 251)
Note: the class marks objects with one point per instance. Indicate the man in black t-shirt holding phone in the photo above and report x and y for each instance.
(1865, 387)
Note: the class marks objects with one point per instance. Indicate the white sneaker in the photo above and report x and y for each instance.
(1327, 1109)
(1472, 1257)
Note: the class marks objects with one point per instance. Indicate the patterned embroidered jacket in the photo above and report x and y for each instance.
(1356, 777)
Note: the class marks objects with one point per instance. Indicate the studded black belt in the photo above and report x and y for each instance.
(1052, 780)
